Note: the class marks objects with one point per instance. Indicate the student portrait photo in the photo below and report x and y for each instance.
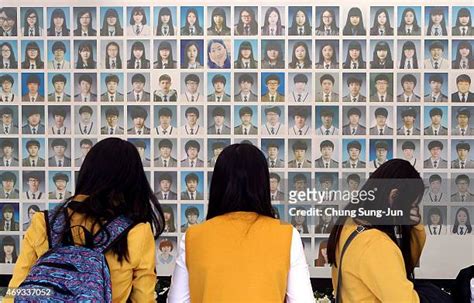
(9, 188)
(382, 87)
(273, 121)
(137, 120)
(218, 88)
(436, 20)
(354, 25)
(86, 87)
(299, 121)
(216, 147)
(192, 54)
(9, 221)
(300, 54)
(190, 20)
(113, 59)
(32, 116)
(409, 120)
(85, 122)
(436, 54)
(327, 120)
(274, 150)
(166, 154)
(460, 121)
(191, 215)
(32, 58)
(460, 154)
(328, 19)
(166, 255)
(300, 87)
(9, 152)
(246, 20)
(8, 55)
(355, 120)
(435, 123)
(325, 224)
(111, 121)
(8, 22)
(355, 154)
(434, 87)
(59, 186)
(58, 21)
(461, 221)
(382, 54)
(355, 87)
(59, 88)
(436, 154)
(409, 150)
(461, 190)
(60, 153)
(33, 155)
(165, 21)
(218, 21)
(300, 156)
(409, 54)
(246, 87)
(165, 188)
(165, 93)
(138, 89)
(32, 21)
(60, 120)
(30, 209)
(164, 55)
(192, 90)
(301, 20)
(144, 152)
(247, 122)
(409, 24)
(8, 89)
(463, 86)
(354, 58)
(191, 187)
(191, 124)
(35, 184)
(462, 54)
(85, 146)
(273, 87)
(328, 155)
(138, 51)
(381, 25)
(435, 219)
(245, 55)
(218, 120)
(112, 88)
(112, 20)
(191, 150)
(138, 23)
(380, 152)
(275, 187)
(8, 120)
(85, 21)
(382, 121)
(462, 22)
(436, 191)
(9, 253)
(218, 54)
(328, 54)
(166, 126)
(300, 221)
(408, 86)
(272, 21)
(34, 90)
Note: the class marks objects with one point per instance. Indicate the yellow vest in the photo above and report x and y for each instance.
(238, 257)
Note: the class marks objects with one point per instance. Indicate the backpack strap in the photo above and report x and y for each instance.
(358, 230)
(54, 230)
(116, 228)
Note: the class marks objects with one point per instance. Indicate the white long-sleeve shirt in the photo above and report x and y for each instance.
(298, 287)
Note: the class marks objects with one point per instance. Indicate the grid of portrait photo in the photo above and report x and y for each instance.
(328, 93)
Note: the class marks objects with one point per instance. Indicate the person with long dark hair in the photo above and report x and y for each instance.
(245, 57)
(394, 242)
(32, 209)
(84, 23)
(218, 23)
(272, 23)
(354, 56)
(435, 225)
(85, 57)
(192, 26)
(138, 58)
(112, 56)
(111, 24)
(106, 188)
(300, 57)
(8, 253)
(408, 23)
(170, 225)
(31, 24)
(241, 232)
(328, 56)
(273, 56)
(462, 222)
(164, 56)
(247, 24)
(437, 23)
(463, 26)
(58, 24)
(327, 23)
(138, 24)
(7, 56)
(301, 23)
(322, 259)
(381, 25)
(381, 56)
(218, 55)
(354, 23)
(165, 25)
(464, 57)
(409, 59)
(192, 56)
(32, 56)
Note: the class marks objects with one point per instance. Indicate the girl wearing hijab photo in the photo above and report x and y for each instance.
(463, 26)
(85, 57)
(301, 22)
(273, 57)
(7, 58)
(464, 58)
(192, 26)
(138, 58)
(247, 24)
(58, 23)
(300, 57)
(462, 222)
(381, 26)
(218, 54)
(354, 56)
(111, 24)
(245, 57)
(381, 56)
(327, 23)
(192, 54)
(32, 57)
(32, 24)
(354, 23)
(138, 25)
(409, 58)
(165, 25)
(408, 23)
(437, 22)
(272, 23)
(328, 55)
(84, 22)
(112, 56)
(164, 56)
(218, 23)
(435, 223)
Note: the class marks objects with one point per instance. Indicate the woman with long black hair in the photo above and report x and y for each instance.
(58, 24)
(354, 56)
(31, 24)
(300, 57)
(165, 25)
(240, 242)
(409, 59)
(327, 23)
(464, 57)
(379, 262)
(245, 57)
(381, 56)
(7, 57)
(381, 25)
(354, 23)
(111, 25)
(106, 188)
(272, 25)
(408, 23)
(218, 23)
(85, 57)
(164, 56)
(84, 23)
(138, 58)
(192, 26)
(301, 23)
(32, 56)
(113, 60)
(437, 23)
(247, 24)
